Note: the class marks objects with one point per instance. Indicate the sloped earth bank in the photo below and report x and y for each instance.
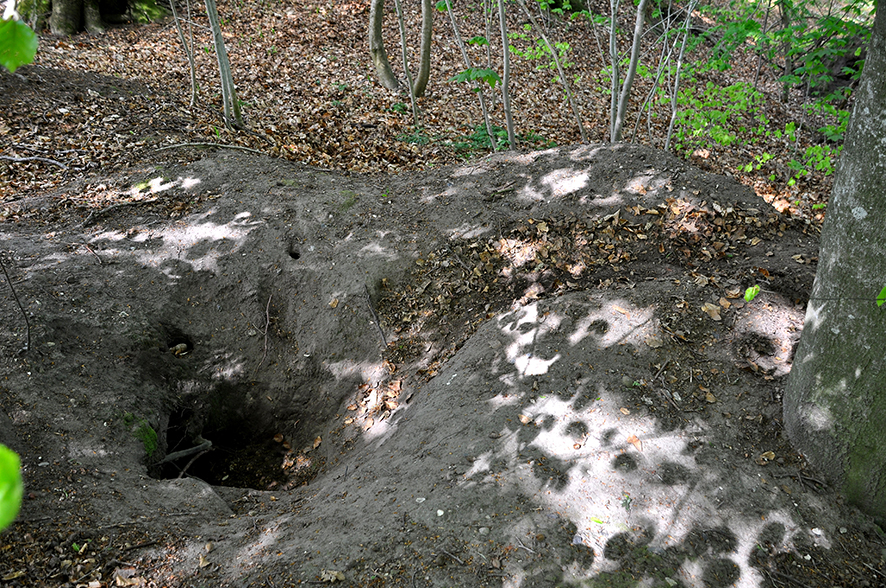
(529, 370)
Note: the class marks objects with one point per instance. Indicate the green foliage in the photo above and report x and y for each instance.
(713, 114)
(417, 137)
(479, 139)
(751, 292)
(537, 50)
(18, 44)
(147, 11)
(11, 488)
(143, 431)
(478, 74)
(881, 297)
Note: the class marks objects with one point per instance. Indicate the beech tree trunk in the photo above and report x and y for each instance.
(835, 399)
(377, 51)
(379, 56)
(68, 16)
(424, 63)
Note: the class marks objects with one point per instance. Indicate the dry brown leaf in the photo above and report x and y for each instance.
(635, 441)
(712, 310)
(317, 442)
(524, 419)
(710, 397)
(624, 411)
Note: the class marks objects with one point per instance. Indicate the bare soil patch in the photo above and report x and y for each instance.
(532, 369)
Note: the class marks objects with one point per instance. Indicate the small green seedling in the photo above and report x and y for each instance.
(11, 488)
(751, 292)
(626, 501)
(881, 297)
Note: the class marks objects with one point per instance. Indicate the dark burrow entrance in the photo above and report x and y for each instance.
(231, 441)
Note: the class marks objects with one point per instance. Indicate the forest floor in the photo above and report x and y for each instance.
(532, 368)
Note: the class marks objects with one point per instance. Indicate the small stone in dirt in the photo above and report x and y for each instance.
(483, 530)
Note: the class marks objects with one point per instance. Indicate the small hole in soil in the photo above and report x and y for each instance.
(178, 342)
(246, 451)
(293, 251)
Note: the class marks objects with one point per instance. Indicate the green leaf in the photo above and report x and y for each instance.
(478, 40)
(18, 44)
(751, 292)
(441, 5)
(881, 297)
(469, 75)
(10, 486)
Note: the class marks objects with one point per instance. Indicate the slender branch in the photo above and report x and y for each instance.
(222, 145)
(15, 295)
(406, 62)
(506, 77)
(267, 324)
(21, 159)
(375, 316)
(206, 445)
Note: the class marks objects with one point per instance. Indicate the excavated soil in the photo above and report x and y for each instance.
(532, 369)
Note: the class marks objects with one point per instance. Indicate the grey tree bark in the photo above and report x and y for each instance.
(377, 51)
(835, 399)
(231, 104)
(379, 56)
(424, 63)
(506, 77)
(68, 16)
(618, 115)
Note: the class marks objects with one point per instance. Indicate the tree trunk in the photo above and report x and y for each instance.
(625, 94)
(835, 399)
(66, 17)
(424, 65)
(92, 17)
(377, 52)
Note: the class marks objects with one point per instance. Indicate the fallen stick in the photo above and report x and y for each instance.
(22, 308)
(23, 159)
(186, 452)
(222, 145)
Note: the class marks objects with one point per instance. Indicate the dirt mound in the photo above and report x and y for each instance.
(533, 369)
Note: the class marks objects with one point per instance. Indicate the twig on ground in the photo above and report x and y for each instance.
(88, 248)
(789, 579)
(140, 545)
(453, 557)
(267, 324)
(663, 367)
(375, 316)
(457, 258)
(186, 452)
(23, 159)
(181, 474)
(221, 145)
(873, 569)
(22, 308)
(520, 544)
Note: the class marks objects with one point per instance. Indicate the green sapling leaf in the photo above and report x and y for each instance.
(10, 486)
(751, 292)
(18, 44)
(881, 297)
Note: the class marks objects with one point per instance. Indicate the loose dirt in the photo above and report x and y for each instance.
(532, 369)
